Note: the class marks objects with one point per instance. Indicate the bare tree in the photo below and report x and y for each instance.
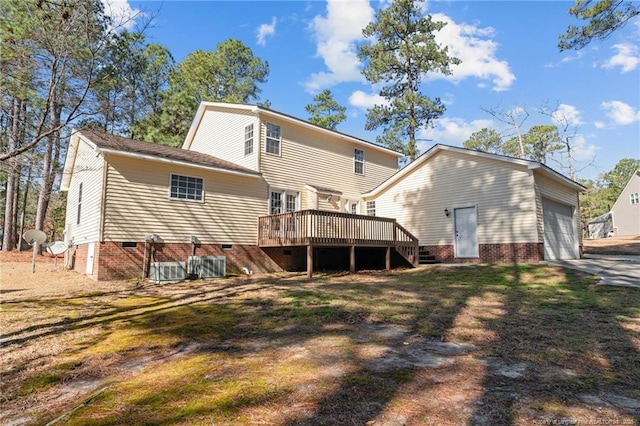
(513, 117)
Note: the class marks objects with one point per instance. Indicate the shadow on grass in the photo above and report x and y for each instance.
(295, 351)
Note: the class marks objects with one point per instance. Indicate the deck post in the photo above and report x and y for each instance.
(309, 261)
(387, 259)
(352, 259)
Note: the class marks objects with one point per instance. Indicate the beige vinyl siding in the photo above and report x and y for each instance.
(312, 158)
(626, 216)
(138, 204)
(503, 193)
(88, 170)
(553, 190)
(221, 134)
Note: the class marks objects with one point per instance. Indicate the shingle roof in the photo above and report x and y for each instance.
(126, 145)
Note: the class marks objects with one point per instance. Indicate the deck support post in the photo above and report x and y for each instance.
(309, 261)
(387, 259)
(352, 259)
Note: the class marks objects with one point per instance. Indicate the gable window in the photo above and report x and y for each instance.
(358, 161)
(186, 188)
(635, 198)
(371, 208)
(79, 204)
(273, 139)
(248, 139)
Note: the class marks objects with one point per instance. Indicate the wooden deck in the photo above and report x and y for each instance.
(318, 228)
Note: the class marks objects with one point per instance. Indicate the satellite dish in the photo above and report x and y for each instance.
(57, 248)
(34, 236)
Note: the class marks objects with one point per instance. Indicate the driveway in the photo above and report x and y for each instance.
(612, 270)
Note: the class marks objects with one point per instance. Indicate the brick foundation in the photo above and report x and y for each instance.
(493, 253)
(115, 261)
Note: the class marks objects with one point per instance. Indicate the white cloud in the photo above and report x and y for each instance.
(474, 46)
(627, 58)
(122, 14)
(266, 30)
(581, 150)
(451, 131)
(566, 114)
(599, 124)
(620, 112)
(336, 36)
(362, 100)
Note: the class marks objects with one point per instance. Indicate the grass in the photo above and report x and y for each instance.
(339, 349)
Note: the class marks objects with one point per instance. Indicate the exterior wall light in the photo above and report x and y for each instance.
(447, 212)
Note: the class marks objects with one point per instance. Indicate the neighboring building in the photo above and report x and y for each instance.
(601, 226)
(272, 192)
(626, 210)
(470, 206)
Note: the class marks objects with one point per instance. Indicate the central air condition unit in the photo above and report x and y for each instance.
(207, 266)
(162, 272)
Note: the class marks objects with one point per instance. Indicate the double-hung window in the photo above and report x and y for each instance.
(248, 139)
(79, 204)
(358, 161)
(371, 208)
(273, 139)
(186, 188)
(635, 198)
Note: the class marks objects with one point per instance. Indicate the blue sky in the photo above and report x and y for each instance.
(510, 62)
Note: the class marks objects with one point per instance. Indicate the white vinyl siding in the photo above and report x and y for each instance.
(312, 158)
(503, 193)
(83, 212)
(136, 205)
(221, 133)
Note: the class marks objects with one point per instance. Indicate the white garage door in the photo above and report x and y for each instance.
(559, 233)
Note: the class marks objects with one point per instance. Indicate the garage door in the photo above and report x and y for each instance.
(559, 233)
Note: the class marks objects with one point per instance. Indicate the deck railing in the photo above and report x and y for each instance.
(326, 228)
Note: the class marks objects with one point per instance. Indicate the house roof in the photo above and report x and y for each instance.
(324, 190)
(602, 218)
(266, 112)
(111, 144)
(547, 171)
(635, 175)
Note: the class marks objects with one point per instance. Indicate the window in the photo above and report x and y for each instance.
(248, 139)
(371, 208)
(351, 207)
(358, 161)
(273, 139)
(79, 204)
(129, 244)
(635, 198)
(283, 202)
(354, 208)
(186, 188)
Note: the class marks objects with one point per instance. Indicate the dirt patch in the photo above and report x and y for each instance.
(625, 246)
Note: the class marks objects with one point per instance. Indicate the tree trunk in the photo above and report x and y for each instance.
(24, 203)
(9, 237)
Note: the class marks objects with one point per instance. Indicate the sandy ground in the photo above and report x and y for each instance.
(18, 281)
(617, 245)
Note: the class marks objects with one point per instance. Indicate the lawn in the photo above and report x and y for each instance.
(491, 345)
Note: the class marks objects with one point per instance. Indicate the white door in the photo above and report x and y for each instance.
(466, 232)
(91, 249)
(559, 234)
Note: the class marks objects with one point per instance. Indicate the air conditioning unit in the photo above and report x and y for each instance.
(207, 266)
(162, 272)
